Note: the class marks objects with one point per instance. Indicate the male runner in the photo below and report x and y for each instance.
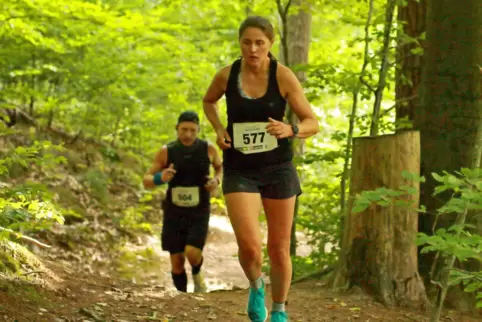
(184, 165)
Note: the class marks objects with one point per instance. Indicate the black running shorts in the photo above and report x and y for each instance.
(181, 229)
(279, 181)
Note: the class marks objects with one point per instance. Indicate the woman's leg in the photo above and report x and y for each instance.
(279, 215)
(243, 210)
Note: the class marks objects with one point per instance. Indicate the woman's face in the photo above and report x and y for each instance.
(255, 46)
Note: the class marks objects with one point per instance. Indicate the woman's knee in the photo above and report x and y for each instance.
(250, 252)
(279, 253)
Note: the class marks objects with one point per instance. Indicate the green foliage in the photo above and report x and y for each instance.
(8, 263)
(319, 218)
(15, 258)
(385, 197)
(39, 154)
(120, 72)
(98, 181)
(134, 219)
(456, 241)
(28, 206)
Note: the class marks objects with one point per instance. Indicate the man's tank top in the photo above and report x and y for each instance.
(186, 192)
(244, 127)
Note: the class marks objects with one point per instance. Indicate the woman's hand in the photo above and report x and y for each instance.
(223, 140)
(279, 129)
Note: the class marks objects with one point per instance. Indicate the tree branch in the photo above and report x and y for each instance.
(354, 108)
(397, 103)
(389, 13)
(283, 12)
(26, 238)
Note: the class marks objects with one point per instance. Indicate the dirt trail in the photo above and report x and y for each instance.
(90, 296)
(83, 297)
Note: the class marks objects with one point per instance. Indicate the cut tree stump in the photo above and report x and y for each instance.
(378, 245)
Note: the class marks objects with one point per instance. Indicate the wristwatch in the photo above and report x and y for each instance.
(295, 130)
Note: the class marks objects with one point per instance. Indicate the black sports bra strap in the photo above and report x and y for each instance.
(273, 83)
(233, 75)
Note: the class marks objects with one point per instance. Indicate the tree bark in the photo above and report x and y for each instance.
(299, 38)
(450, 113)
(409, 61)
(378, 250)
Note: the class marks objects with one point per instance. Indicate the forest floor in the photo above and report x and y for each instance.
(108, 265)
(70, 292)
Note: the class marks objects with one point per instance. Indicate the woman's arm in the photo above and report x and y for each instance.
(291, 89)
(214, 92)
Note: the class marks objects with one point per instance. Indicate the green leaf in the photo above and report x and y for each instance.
(473, 287)
(383, 203)
(409, 189)
(437, 177)
(412, 176)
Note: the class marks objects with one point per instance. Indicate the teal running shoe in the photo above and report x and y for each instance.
(279, 316)
(257, 310)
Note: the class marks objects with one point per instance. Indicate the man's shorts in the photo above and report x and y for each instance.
(180, 230)
(279, 181)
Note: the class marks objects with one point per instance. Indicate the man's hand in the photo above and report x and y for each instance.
(212, 184)
(168, 173)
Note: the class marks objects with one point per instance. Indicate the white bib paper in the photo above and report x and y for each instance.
(253, 138)
(185, 196)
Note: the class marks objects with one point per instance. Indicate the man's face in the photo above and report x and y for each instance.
(187, 132)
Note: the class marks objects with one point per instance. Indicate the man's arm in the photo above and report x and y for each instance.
(216, 162)
(159, 163)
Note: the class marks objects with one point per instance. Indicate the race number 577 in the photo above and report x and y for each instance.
(253, 138)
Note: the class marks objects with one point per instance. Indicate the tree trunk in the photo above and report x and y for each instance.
(410, 61)
(33, 82)
(248, 6)
(378, 250)
(450, 113)
(298, 42)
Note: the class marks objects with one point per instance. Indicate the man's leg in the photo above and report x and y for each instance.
(196, 240)
(178, 273)
(174, 240)
(196, 259)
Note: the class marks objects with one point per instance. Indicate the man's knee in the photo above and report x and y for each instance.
(193, 254)
(177, 263)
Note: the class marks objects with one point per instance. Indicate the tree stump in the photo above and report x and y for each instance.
(378, 246)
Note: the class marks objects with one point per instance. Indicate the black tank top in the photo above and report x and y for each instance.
(241, 110)
(192, 166)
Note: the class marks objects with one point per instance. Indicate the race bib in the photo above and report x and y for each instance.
(185, 196)
(253, 138)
